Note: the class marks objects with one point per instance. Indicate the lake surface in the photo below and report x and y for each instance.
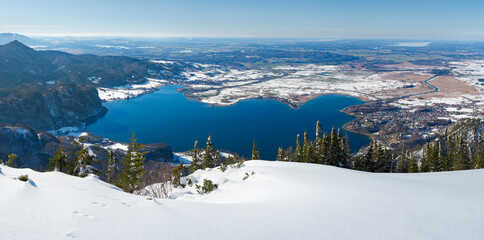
(168, 116)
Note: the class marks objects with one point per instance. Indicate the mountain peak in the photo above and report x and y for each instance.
(16, 43)
(9, 37)
(15, 47)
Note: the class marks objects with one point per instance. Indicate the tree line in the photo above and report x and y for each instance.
(83, 162)
(329, 149)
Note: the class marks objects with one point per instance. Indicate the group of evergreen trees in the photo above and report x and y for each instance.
(79, 163)
(375, 158)
(451, 153)
(208, 157)
(330, 149)
(82, 162)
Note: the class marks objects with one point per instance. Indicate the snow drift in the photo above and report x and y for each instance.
(279, 201)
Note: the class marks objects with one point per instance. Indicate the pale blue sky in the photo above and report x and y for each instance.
(412, 19)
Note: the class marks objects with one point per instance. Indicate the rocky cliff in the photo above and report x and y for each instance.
(34, 149)
(61, 105)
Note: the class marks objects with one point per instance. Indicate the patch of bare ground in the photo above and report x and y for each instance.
(408, 77)
(450, 87)
(415, 81)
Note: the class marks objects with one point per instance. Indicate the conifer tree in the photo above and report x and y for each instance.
(280, 154)
(462, 160)
(177, 174)
(449, 156)
(60, 159)
(368, 158)
(306, 149)
(211, 157)
(289, 155)
(443, 155)
(298, 151)
(196, 161)
(333, 156)
(412, 164)
(110, 166)
(255, 151)
(83, 160)
(133, 167)
(424, 162)
(11, 160)
(326, 145)
(479, 154)
(433, 157)
(346, 152)
(379, 163)
(318, 144)
(402, 166)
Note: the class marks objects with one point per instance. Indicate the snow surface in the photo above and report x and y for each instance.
(130, 90)
(280, 201)
(307, 79)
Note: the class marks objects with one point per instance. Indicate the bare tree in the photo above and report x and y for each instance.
(156, 181)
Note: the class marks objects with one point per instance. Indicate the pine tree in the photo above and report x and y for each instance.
(462, 160)
(318, 145)
(60, 160)
(368, 158)
(346, 152)
(433, 158)
(280, 154)
(307, 149)
(110, 166)
(196, 161)
(133, 167)
(379, 163)
(289, 155)
(326, 145)
(83, 160)
(177, 174)
(412, 164)
(424, 162)
(334, 157)
(11, 160)
(448, 161)
(402, 166)
(479, 154)
(298, 150)
(211, 156)
(255, 151)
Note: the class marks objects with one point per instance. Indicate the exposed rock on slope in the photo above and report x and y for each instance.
(34, 149)
(59, 106)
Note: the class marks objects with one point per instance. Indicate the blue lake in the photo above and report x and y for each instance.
(168, 116)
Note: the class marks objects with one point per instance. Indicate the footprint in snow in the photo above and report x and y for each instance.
(71, 235)
(100, 204)
(81, 214)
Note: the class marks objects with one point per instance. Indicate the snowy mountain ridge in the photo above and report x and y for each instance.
(281, 200)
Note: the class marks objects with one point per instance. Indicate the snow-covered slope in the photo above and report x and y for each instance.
(280, 201)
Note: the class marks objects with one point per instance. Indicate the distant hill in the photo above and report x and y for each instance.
(20, 64)
(106, 71)
(9, 37)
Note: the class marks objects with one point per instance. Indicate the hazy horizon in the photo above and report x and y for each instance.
(345, 19)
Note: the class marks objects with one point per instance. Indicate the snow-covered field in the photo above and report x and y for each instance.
(228, 86)
(470, 71)
(279, 201)
(130, 91)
